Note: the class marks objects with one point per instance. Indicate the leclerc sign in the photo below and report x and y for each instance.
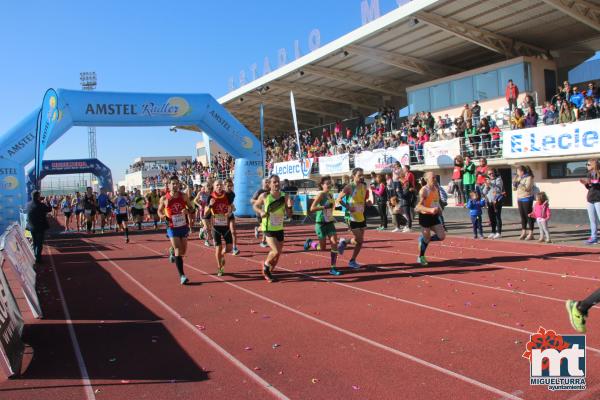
(294, 170)
(581, 137)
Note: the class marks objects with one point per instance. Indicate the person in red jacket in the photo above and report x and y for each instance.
(511, 94)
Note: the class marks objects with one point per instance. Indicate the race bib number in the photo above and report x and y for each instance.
(540, 220)
(275, 220)
(359, 208)
(122, 210)
(328, 215)
(88, 212)
(220, 220)
(102, 209)
(435, 204)
(178, 220)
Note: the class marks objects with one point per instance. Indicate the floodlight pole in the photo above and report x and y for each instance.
(88, 82)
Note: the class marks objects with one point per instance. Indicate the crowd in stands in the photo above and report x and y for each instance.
(480, 133)
(222, 166)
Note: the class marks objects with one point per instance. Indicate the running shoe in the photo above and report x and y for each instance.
(381, 228)
(307, 243)
(396, 230)
(591, 241)
(492, 236)
(406, 229)
(576, 317)
(256, 232)
(264, 244)
(353, 264)
(422, 260)
(235, 251)
(334, 271)
(207, 243)
(127, 239)
(221, 269)
(342, 246)
(171, 255)
(266, 271)
(497, 236)
(183, 279)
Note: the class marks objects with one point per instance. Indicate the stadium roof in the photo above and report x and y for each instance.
(420, 41)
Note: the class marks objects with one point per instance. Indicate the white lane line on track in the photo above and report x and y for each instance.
(394, 298)
(85, 378)
(250, 373)
(425, 275)
(517, 253)
(352, 334)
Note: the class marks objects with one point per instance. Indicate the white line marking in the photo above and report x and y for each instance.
(266, 385)
(354, 335)
(394, 298)
(85, 378)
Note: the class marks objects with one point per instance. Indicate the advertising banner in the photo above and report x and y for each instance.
(17, 250)
(294, 170)
(581, 137)
(442, 153)
(11, 327)
(335, 164)
(382, 159)
(300, 205)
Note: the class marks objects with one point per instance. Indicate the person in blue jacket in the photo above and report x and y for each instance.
(475, 204)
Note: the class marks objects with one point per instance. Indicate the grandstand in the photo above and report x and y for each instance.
(436, 56)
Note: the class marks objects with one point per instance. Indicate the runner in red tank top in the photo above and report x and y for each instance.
(220, 209)
(173, 207)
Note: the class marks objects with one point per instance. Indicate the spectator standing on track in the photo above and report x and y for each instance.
(475, 206)
(457, 179)
(493, 190)
(512, 94)
(468, 172)
(481, 174)
(37, 222)
(380, 190)
(523, 184)
(541, 213)
(592, 184)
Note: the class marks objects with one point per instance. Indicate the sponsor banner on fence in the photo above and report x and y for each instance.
(442, 153)
(553, 140)
(11, 327)
(18, 252)
(300, 204)
(294, 170)
(334, 164)
(381, 159)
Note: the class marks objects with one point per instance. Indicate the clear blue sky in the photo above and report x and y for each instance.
(149, 46)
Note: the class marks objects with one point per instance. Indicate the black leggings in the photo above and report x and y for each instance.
(495, 215)
(383, 217)
(589, 302)
(525, 208)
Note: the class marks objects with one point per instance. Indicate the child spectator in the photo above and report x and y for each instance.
(397, 218)
(475, 204)
(541, 213)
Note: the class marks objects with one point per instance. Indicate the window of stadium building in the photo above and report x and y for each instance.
(569, 169)
(482, 86)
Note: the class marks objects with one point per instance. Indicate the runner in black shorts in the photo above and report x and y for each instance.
(219, 209)
(89, 208)
(255, 196)
(231, 196)
(429, 209)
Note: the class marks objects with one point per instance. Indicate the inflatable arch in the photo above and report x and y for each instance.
(79, 166)
(85, 108)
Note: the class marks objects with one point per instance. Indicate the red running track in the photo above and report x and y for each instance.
(454, 330)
